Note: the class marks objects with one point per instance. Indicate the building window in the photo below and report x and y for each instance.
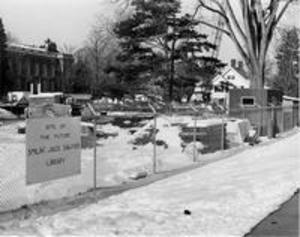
(37, 69)
(28, 69)
(218, 88)
(32, 68)
(52, 71)
(20, 66)
(230, 77)
(248, 101)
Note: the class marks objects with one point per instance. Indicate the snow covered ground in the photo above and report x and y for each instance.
(225, 198)
(117, 160)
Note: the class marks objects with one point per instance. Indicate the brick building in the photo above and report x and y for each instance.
(38, 70)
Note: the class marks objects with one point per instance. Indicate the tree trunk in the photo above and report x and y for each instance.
(257, 83)
(257, 78)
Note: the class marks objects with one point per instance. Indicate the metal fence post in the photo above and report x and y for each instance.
(293, 119)
(154, 157)
(282, 118)
(260, 124)
(154, 144)
(194, 134)
(272, 123)
(222, 133)
(95, 155)
(195, 138)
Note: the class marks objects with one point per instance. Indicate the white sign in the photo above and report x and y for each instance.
(53, 148)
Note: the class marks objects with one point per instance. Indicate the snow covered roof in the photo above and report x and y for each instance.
(231, 75)
(43, 95)
(205, 123)
(285, 97)
(32, 49)
(80, 96)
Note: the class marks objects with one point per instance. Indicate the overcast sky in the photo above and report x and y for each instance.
(69, 21)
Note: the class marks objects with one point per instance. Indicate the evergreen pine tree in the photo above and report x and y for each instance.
(287, 58)
(154, 41)
(81, 77)
(3, 60)
(189, 60)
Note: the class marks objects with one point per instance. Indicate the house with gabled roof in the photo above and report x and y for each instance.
(233, 76)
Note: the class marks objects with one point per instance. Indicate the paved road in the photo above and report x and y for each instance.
(283, 222)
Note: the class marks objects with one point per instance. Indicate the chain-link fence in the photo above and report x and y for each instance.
(270, 120)
(135, 148)
(121, 147)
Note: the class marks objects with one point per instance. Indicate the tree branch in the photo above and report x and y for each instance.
(219, 12)
(282, 11)
(237, 42)
(220, 6)
(230, 32)
(248, 41)
(196, 11)
(215, 27)
(234, 19)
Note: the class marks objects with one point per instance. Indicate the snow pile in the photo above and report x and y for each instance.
(226, 198)
(237, 130)
(123, 156)
(197, 146)
(4, 114)
(165, 132)
(206, 122)
(108, 128)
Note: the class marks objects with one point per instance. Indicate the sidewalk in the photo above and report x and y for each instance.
(283, 222)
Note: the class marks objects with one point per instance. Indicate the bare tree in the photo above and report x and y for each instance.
(122, 4)
(67, 48)
(11, 38)
(100, 48)
(251, 27)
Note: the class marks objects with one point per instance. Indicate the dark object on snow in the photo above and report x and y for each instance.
(132, 131)
(162, 143)
(130, 121)
(187, 212)
(139, 175)
(146, 138)
(134, 148)
(253, 137)
(22, 130)
(105, 135)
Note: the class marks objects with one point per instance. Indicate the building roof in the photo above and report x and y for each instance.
(47, 94)
(34, 50)
(290, 98)
(238, 79)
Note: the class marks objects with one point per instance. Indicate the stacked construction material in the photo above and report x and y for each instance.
(208, 132)
(237, 130)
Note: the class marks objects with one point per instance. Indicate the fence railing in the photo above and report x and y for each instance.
(269, 120)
